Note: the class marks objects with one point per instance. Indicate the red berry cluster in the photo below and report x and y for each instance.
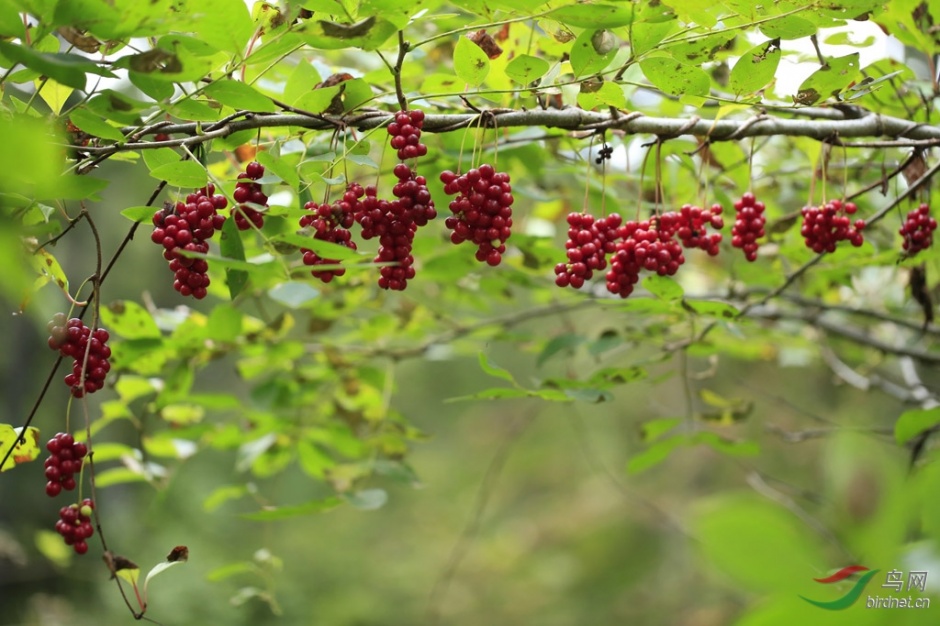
(825, 226)
(73, 339)
(330, 222)
(748, 225)
(64, 461)
(247, 190)
(649, 245)
(693, 224)
(75, 525)
(589, 242)
(396, 226)
(188, 226)
(917, 230)
(482, 210)
(406, 134)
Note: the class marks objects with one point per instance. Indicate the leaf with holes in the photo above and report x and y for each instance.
(675, 78)
(756, 68)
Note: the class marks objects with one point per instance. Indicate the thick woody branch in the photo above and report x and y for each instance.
(828, 125)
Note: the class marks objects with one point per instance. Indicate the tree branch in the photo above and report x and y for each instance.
(824, 126)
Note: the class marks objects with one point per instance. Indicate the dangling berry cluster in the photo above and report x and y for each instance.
(330, 222)
(73, 339)
(482, 210)
(247, 190)
(64, 461)
(652, 246)
(917, 230)
(825, 226)
(589, 242)
(406, 134)
(693, 224)
(75, 525)
(412, 208)
(748, 225)
(635, 246)
(394, 223)
(188, 226)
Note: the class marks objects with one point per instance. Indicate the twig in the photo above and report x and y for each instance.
(80, 315)
(472, 528)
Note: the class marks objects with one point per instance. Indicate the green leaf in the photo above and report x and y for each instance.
(48, 266)
(232, 247)
(223, 494)
(711, 308)
(279, 167)
(830, 80)
(755, 69)
(654, 454)
(675, 78)
(129, 320)
(526, 69)
(594, 15)
(293, 294)
(224, 324)
(727, 446)
(115, 106)
(318, 100)
(196, 110)
(225, 25)
(761, 545)
(561, 343)
(285, 512)
(50, 545)
(159, 90)
(356, 92)
(300, 82)
(912, 423)
(139, 213)
(845, 39)
(94, 125)
(325, 249)
(663, 287)
(118, 476)
(470, 62)
(585, 56)
(158, 569)
(609, 95)
(494, 370)
(66, 69)
(239, 95)
(53, 94)
(368, 34)
(181, 174)
(654, 429)
(160, 156)
(690, 11)
(788, 27)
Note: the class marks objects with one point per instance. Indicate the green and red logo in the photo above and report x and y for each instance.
(852, 595)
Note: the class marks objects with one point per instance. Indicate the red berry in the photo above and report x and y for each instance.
(254, 170)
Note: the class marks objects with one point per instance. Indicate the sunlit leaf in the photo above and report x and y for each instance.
(25, 444)
(470, 62)
(526, 68)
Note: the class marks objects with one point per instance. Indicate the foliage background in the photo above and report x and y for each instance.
(507, 511)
